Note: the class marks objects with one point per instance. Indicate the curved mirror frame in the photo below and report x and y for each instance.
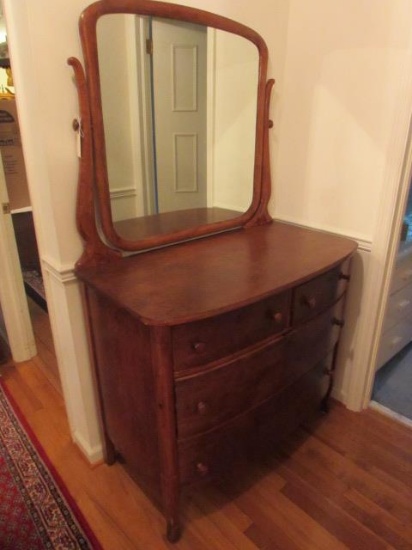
(160, 230)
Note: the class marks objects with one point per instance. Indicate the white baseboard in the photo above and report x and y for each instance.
(93, 454)
(391, 414)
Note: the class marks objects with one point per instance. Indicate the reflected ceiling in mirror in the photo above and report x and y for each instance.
(177, 100)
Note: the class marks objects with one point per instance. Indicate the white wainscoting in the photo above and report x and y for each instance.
(70, 339)
(123, 203)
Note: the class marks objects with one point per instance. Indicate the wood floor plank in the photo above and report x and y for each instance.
(369, 450)
(393, 531)
(331, 470)
(265, 502)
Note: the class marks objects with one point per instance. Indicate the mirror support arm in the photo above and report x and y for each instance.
(95, 251)
(262, 215)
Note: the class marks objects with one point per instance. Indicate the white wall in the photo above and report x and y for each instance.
(345, 62)
(339, 69)
(117, 46)
(234, 92)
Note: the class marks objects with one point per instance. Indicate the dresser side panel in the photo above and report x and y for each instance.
(127, 389)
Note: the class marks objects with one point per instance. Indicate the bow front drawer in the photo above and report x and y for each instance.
(204, 341)
(211, 398)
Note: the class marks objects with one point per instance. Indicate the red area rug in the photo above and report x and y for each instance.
(36, 511)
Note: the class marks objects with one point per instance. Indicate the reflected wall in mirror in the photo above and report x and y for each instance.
(179, 110)
(178, 101)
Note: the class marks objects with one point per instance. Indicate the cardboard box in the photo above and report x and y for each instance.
(12, 155)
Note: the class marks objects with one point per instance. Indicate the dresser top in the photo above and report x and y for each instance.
(197, 279)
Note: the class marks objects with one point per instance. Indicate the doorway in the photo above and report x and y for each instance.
(392, 388)
(23, 311)
(389, 382)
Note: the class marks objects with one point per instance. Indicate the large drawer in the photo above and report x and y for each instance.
(214, 452)
(204, 341)
(318, 294)
(206, 400)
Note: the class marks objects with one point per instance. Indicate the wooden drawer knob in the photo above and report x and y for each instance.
(202, 408)
(202, 469)
(344, 276)
(309, 301)
(198, 346)
(277, 316)
(338, 322)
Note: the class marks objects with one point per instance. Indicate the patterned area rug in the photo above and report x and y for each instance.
(36, 512)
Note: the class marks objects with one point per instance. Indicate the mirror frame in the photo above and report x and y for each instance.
(94, 216)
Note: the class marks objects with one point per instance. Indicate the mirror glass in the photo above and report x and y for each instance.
(179, 107)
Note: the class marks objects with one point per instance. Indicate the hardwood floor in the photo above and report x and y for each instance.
(344, 481)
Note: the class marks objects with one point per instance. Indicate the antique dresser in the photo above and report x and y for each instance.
(214, 332)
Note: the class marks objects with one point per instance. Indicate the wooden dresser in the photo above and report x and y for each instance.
(205, 349)
(211, 348)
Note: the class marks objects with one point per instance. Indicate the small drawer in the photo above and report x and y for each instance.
(206, 400)
(204, 341)
(316, 295)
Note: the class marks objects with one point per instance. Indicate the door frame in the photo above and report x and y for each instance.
(389, 266)
(384, 248)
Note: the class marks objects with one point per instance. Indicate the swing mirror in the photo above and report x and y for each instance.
(177, 100)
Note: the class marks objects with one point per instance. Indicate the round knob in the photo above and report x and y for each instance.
(277, 317)
(344, 276)
(202, 408)
(338, 322)
(198, 346)
(310, 302)
(202, 469)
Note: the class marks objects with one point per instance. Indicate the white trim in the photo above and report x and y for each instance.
(94, 453)
(22, 210)
(211, 113)
(72, 348)
(122, 192)
(391, 414)
(383, 272)
(363, 243)
(62, 273)
(145, 122)
(384, 249)
(72, 352)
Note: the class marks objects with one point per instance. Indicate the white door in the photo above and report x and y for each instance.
(13, 299)
(179, 93)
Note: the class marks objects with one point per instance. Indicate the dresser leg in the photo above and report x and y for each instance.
(324, 407)
(174, 531)
(110, 452)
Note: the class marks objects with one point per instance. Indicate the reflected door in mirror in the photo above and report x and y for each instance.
(179, 111)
